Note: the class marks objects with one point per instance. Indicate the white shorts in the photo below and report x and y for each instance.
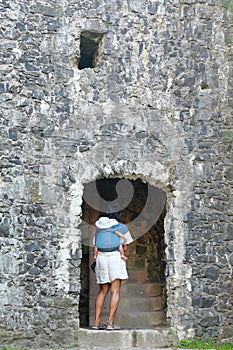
(110, 266)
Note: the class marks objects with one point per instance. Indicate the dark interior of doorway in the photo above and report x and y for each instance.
(146, 255)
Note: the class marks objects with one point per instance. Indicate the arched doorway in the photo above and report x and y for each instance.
(143, 297)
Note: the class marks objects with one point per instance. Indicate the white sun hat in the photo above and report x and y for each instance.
(105, 222)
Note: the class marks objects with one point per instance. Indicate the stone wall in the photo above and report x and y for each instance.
(157, 107)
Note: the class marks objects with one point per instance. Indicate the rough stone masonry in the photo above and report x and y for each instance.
(156, 106)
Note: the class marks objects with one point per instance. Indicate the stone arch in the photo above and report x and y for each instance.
(120, 169)
(157, 175)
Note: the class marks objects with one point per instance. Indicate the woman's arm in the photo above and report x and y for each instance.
(95, 253)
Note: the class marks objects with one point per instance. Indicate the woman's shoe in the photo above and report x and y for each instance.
(98, 326)
(112, 327)
(95, 326)
(102, 326)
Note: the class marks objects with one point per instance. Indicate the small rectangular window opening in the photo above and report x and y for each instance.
(89, 46)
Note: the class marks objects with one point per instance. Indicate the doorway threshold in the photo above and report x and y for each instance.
(126, 338)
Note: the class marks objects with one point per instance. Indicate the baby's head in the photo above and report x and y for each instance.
(116, 216)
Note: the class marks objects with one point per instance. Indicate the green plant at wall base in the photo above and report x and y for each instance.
(203, 344)
(21, 348)
(231, 8)
(16, 349)
(229, 5)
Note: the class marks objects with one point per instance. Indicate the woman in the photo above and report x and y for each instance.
(110, 268)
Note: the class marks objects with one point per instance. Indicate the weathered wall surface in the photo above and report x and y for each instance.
(155, 107)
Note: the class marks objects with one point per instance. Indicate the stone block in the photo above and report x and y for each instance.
(212, 273)
(8, 265)
(4, 228)
(140, 304)
(126, 339)
(140, 320)
(104, 339)
(141, 289)
(156, 338)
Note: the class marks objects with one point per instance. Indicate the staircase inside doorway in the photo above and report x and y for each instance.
(143, 296)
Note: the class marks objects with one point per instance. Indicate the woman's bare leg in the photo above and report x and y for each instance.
(99, 303)
(115, 299)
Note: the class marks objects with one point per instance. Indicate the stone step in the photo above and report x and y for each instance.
(134, 319)
(126, 339)
(149, 319)
(142, 299)
(140, 304)
(130, 289)
(135, 304)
